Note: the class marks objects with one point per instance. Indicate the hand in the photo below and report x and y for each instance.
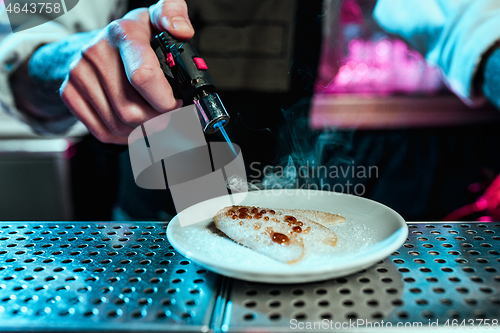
(117, 83)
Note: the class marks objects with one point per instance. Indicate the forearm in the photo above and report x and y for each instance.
(35, 84)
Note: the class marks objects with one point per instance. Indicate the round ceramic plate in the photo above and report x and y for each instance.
(370, 233)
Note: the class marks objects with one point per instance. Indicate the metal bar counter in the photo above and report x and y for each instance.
(125, 277)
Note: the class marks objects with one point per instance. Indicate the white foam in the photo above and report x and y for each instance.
(353, 239)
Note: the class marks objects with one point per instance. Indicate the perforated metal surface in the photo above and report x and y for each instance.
(443, 271)
(105, 276)
(126, 277)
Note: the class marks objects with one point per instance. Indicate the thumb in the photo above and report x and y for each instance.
(172, 15)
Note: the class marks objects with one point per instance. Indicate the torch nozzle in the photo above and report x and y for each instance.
(213, 114)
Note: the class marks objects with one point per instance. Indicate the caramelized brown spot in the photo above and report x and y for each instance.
(243, 210)
(256, 226)
(300, 224)
(257, 216)
(263, 211)
(306, 230)
(234, 217)
(280, 238)
(255, 210)
(297, 229)
(249, 217)
(241, 223)
(272, 212)
(266, 218)
(290, 219)
(243, 215)
(275, 219)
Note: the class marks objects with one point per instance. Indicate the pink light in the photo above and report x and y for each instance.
(361, 69)
(355, 45)
(482, 204)
(380, 67)
(373, 73)
(352, 64)
(382, 48)
(344, 75)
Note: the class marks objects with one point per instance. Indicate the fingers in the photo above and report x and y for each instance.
(141, 64)
(172, 15)
(130, 107)
(118, 84)
(86, 114)
(146, 76)
(83, 78)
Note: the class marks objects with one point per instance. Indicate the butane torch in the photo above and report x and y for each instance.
(187, 73)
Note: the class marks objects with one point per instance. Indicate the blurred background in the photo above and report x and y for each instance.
(365, 71)
(367, 79)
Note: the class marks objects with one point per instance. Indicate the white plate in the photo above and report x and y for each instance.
(371, 232)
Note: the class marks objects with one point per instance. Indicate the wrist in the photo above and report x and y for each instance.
(35, 84)
(35, 99)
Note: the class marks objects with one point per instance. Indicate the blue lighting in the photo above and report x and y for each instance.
(223, 131)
